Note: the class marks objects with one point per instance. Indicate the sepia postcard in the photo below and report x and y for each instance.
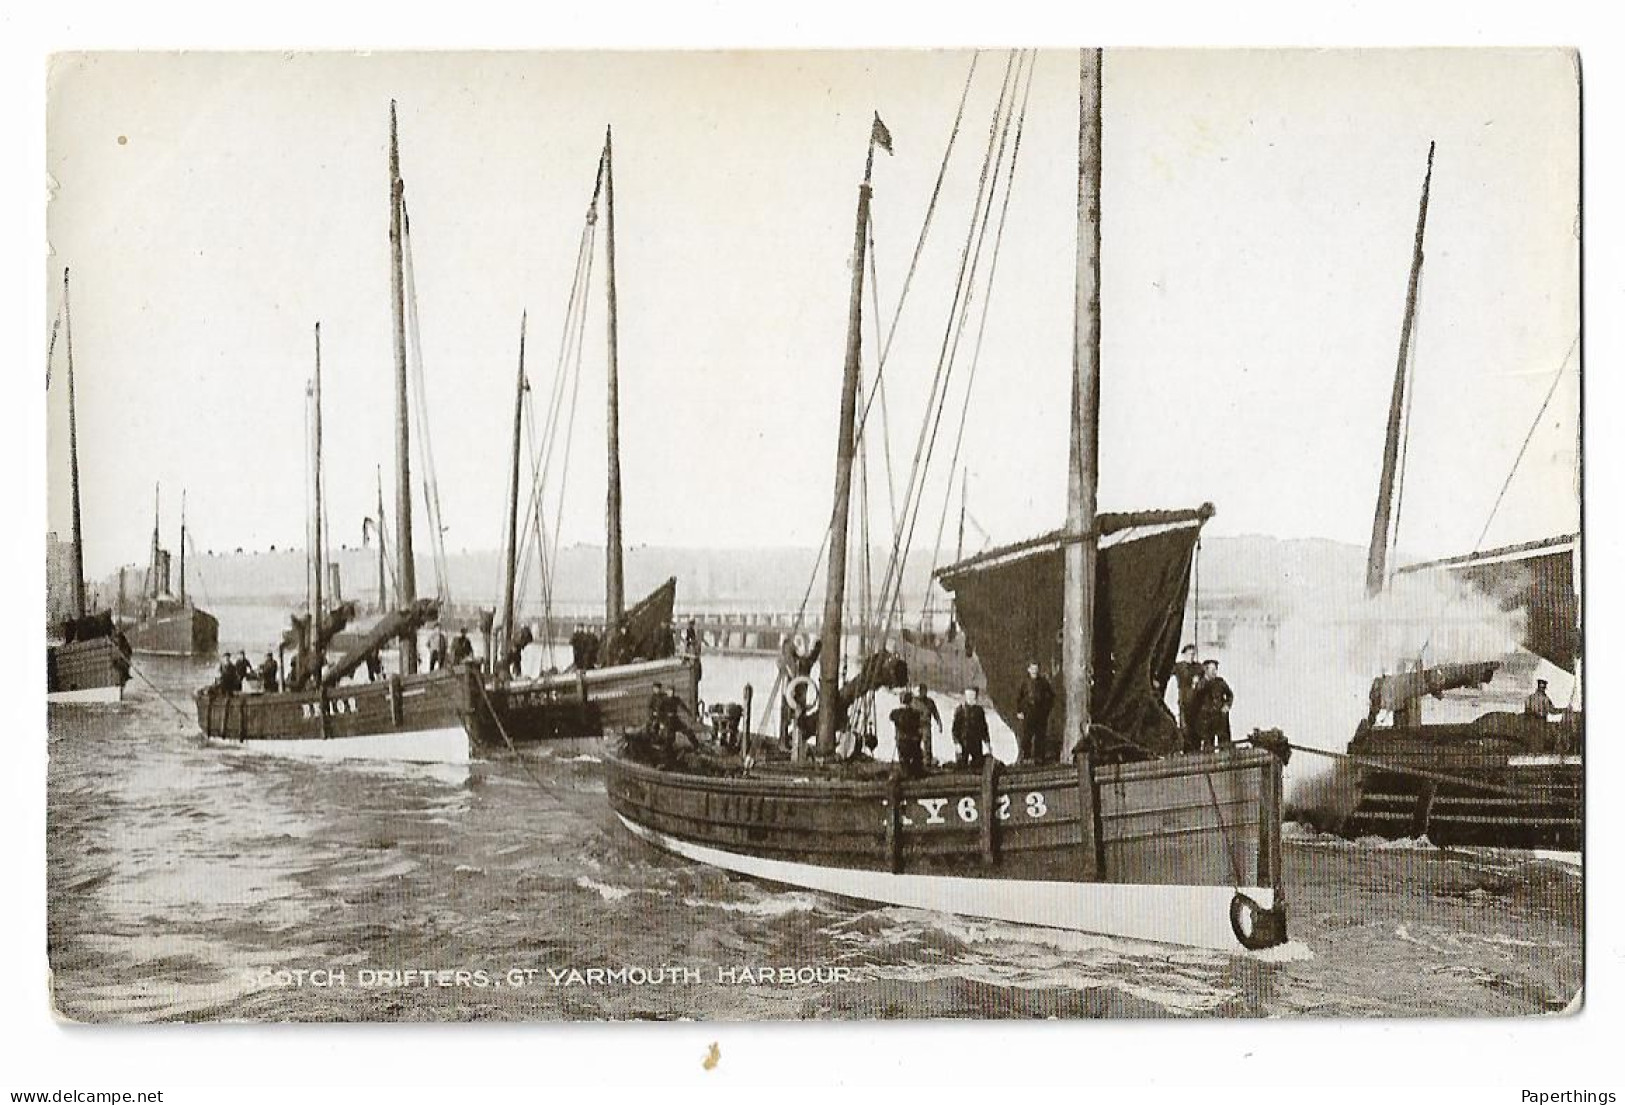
(783, 535)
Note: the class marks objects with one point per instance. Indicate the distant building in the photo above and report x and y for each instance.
(58, 579)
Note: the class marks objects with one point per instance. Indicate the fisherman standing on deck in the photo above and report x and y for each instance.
(268, 674)
(795, 666)
(1539, 704)
(513, 659)
(437, 648)
(1187, 676)
(243, 668)
(1033, 707)
(929, 716)
(462, 649)
(971, 737)
(692, 644)
(228, 682)
(375, 666)
(906, 730)
(1212, 702)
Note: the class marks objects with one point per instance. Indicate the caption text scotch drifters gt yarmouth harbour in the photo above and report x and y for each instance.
(369, 978)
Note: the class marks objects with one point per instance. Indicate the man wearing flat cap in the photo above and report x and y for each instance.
(1539, 704)
(1211, 703)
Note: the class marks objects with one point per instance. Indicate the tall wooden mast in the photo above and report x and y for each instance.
(511, 551)
(183, 547)
(73, 461)
(406, 588)
(318, 552)
(155, 574)
(1083, 471)
(1376, 564)
(383, 593)
(614, 569)
(829, 672)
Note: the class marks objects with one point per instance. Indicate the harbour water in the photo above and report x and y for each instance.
(189, 882)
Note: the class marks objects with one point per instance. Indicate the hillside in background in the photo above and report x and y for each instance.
(1253, 567)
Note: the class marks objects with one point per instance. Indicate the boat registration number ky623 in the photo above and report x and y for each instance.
(1032, 806)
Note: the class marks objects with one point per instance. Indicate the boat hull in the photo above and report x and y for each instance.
(93, 670)
(1196, 916)
(416, 718)
(445, 745)
(1156, 850)
(574, 705)
(185, 632)
(1420, 782)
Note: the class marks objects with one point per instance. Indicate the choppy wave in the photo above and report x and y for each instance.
(179, 874)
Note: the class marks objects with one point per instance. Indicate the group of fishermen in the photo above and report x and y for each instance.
(915, 722)
(235, 673)
(588, 650)
(449, 654)
(1205, 699)
(1204, 702)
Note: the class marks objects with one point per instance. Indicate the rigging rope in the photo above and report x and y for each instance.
(1522, 449)
(880, 382)
(203, 583)
(50, 348)
(878, 388)
(981, 331)
(431, 486)
(919, 244)
(1557, 377)
(959, 313)
(570, 423)
(567, 374)
(910, 488)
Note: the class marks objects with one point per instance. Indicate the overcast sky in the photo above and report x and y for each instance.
(1258, 212)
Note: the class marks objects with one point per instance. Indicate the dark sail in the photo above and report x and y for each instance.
(645, 632)
(1009, 600)
(1537, 578)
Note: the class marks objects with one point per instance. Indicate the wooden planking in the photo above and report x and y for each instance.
(80, 665)
(363, 709)
(1166, 827)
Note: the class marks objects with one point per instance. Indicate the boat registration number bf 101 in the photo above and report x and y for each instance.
(1032, 806)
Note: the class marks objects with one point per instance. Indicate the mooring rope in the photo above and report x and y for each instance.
(170, 703)
(485, 695)
(1422, 773)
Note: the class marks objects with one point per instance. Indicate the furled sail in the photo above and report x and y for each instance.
(645, 630)
(1009, 600)
(397, 623)
(1537, 578)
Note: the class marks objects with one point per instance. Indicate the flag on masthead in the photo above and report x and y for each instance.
(880, 136)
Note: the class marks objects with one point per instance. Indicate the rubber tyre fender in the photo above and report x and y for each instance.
(1255, 927)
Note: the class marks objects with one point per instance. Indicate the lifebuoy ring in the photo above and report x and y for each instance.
(1256, 927)
(788, 695)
